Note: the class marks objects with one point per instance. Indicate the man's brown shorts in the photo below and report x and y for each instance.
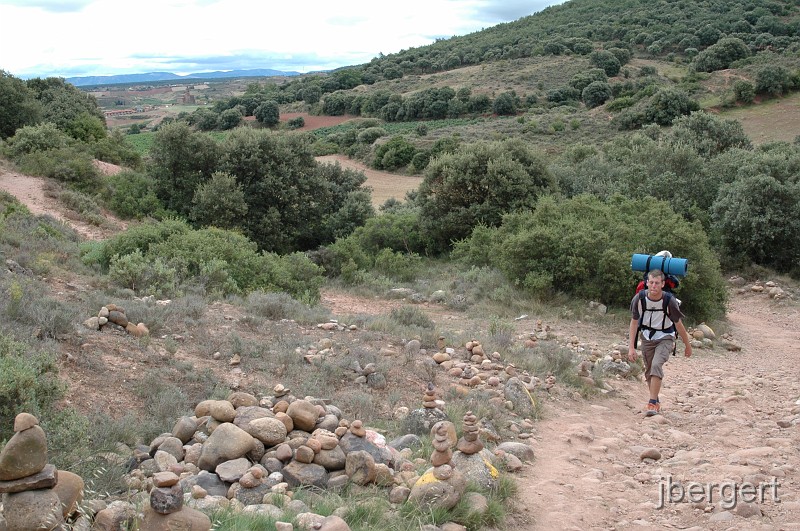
(656, 354)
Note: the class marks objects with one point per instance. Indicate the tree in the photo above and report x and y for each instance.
(268, 114)
(708, 134)
(744, 91)
(63, 104)
(181, 159)
(667, 104)
(229, 119)
(596, 93)
(607, 61)
(773, 80)
(758, 217)
(721, 55)
(290, 198)
(219, 202)
(18, 105)
(478, 184)
(505, 104)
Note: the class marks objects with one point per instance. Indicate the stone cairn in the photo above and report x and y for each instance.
(429, 398)
(113, 316)
(37, 496)
(442, 445)
(442, 485)
(470, 443)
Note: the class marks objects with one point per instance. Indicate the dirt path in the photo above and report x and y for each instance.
(31, 192)
(728, 416)
(384, 184)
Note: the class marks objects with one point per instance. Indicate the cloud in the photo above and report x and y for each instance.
(495, 12)
(54, 6)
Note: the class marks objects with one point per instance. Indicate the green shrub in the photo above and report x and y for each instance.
(583, 247)
(758, 218)
(394, 154)
(298, 122)
(29, 384)
(773, 80)
(411, 316)
(69, 165)
(29, 306)
(133, 195)
(33, 138)
(371, 134)
(220, 202)
(744, 91)
(140, 237)
(403, 267)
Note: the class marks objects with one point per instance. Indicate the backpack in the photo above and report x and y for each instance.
(666, 298)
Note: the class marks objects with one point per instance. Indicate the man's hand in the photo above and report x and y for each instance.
(688, 350)
(633, 356)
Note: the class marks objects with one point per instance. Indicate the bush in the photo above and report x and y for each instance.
(219, 202)
(133, 195)
(744, 91)
(583, 246)
(403, 267)
(607, 61)
(758, 218)
(138, 237)
(371, 134)
(277, 306)
(773, 80)
(71, 166)
(33, 138)
(583, 79)
(394, 154)
(298, 122)
(596, 93)
(478, 184)
(720, 55)
(29, 384)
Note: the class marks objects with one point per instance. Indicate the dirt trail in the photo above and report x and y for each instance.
(728, 416)
(31, 192)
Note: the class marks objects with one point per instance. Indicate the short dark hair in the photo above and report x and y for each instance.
(656, 273)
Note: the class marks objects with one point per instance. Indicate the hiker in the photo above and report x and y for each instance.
(658, 315)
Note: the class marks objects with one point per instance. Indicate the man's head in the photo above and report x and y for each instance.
(655, 283)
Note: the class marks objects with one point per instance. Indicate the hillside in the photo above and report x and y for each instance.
(729, 416)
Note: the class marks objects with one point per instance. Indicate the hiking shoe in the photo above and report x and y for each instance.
(652, 409)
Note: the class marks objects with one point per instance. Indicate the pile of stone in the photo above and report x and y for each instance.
(35, 494)
(441, 485)
(166, 511)
(420, 421)
(113, 316)
(474, 462)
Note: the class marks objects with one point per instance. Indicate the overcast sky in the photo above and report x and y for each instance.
(102, 37)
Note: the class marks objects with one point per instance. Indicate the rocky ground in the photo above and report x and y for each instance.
(728, 417)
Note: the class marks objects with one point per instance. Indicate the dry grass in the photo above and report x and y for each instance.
(384, 184)
(770, 120)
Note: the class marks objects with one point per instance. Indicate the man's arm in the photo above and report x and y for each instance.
(632, 331)
(685, 338)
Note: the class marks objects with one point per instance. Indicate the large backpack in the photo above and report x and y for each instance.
(666, 297)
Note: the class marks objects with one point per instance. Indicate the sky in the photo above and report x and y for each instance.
(70, 38)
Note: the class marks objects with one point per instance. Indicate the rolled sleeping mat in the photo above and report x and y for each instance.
(670, 266)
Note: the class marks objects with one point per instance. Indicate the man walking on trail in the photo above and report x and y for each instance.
(658, 315)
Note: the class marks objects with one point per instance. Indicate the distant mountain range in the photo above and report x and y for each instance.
(169, 76)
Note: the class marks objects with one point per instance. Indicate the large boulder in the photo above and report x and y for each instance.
(297, 474)
(33, 510)
(353, 443)
(420, 421)
(187, 519)
(477, 468)
(210, 482)
(226, 443)
(24, 454)
(269, 431)
(304, 414)
(429, 492)
(518, 394)
(69, 489)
